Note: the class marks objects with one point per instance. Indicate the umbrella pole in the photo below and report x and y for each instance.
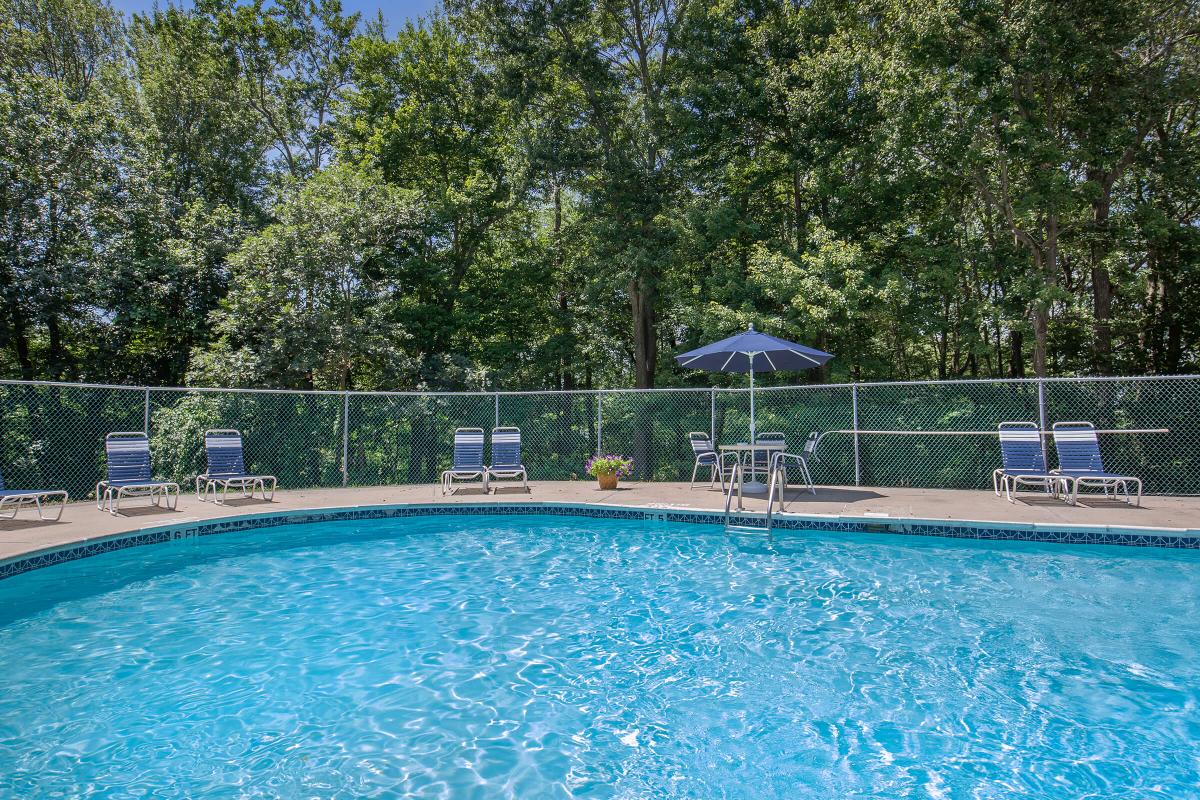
(752, 439)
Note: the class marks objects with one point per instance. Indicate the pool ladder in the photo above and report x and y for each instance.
(777, 480)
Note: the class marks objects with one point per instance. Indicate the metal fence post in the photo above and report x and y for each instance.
(599, 422)
(146, 413)
(712, 414)
(345, 438)
(1042, 419)
(497, 410)
(857, 454)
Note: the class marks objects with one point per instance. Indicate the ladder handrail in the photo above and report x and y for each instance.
(735, 475)
(779, 476)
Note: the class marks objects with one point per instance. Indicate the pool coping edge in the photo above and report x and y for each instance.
(1121, 535)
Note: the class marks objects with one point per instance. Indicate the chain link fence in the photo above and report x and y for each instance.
(928, 434)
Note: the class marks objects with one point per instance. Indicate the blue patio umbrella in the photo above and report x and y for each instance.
(753, 351)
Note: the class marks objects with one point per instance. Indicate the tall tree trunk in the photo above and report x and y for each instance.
(643, 299)
(1016, 355)
(1047, 260)
(566, 376)
(1041, 327)
(1101, 286)
(1171, 324)
(57, 356)
(19, 332)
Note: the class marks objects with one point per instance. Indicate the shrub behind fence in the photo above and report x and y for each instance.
(53, 433)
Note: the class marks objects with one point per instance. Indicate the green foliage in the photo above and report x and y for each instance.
(314, 296)
(617, 465)
(515, 194)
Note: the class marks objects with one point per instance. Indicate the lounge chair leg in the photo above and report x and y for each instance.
(696, 467)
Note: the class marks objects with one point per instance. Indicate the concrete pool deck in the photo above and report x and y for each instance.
(82, 521)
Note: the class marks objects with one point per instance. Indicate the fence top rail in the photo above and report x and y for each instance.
(665, 389)
(985, 433)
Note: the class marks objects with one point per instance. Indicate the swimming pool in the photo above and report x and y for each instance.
(533, 656)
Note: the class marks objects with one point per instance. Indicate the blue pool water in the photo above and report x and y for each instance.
(541, 657)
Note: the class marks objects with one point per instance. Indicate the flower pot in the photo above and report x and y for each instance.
(607, 481)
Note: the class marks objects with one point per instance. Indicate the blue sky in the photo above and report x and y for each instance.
(395, 12)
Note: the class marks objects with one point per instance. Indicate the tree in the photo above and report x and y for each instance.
(60, 151)
(425, 113)
(293, 57)
(315, 297)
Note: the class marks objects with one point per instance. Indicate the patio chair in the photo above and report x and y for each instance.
(1080, 465)
(760, 462)
(1023, 462)
(13, 500)
(706, 456)
(227, 469)
(506, 457)
(129, 473)
(780, 461)
(468, 459)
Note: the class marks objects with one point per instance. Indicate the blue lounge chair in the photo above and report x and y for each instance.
(1079, 463)
(706, 456)
(506, 457)
(468, 459)
(1024, 463)
(227, 469)
(13, 500)
(129, 473)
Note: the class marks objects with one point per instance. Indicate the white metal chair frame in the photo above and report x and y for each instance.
(223, 483)
(448, 476)
(1011, 482)
(503, 472)
(1074, 479)
(779, 462)
(157, 491)
(717, 468)
(760, 465)
(12, 503)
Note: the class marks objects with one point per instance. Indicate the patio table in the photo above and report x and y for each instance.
(742, 449)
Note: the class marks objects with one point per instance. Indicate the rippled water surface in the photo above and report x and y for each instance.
(533, 657)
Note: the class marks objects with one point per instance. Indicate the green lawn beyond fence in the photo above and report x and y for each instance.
(54, 433)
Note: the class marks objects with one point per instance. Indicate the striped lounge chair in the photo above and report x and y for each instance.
(1080, 464)
(129, 473)
(227, 469)
(468, 460)
(506, 457)
(1023, 462)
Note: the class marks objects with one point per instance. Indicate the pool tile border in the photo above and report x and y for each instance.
(1031, 532)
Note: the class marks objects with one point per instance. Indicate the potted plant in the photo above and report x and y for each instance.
(609, 469)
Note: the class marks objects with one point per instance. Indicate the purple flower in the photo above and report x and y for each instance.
(611, 464)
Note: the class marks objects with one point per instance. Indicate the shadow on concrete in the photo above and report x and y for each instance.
(461, 490)
(26, 523)
(145, 511)
(238, 502)
(1100, 501)
(835, 495)
(1038, 501)
(510, 490)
